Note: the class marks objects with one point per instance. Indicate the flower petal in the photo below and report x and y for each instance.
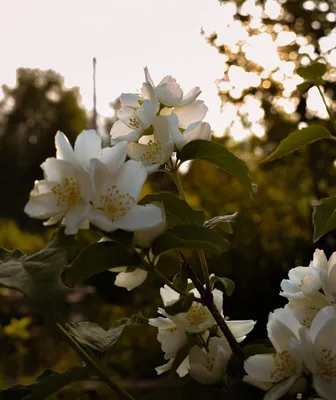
(262, 367)
(64, 150)
(197, 130)
(42, 206)
(131, 280)
(165, 367)
(145, 237)
(190, 96)
(130, 100)
(169, 92)
(172, 340)
(113, 157)
(75, 216)
(102, 220)
(130, 178)
(280, 389)
(191, 113)
(240, 329)
(120, 132)
(88, 145)
(325, 388)
(140, 217)
(146, 113)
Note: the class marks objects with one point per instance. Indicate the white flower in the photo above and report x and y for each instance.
(135, 116)
(169, 93)
(116, 193)
(209, 367)
(328, 277)
(305, 309)
(278, 372)
(64, 194)
(153, 150)
(194, 131)
(304, 281)
(319, 352)
(88, 145)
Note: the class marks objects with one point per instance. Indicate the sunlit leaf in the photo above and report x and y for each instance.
(226, 285)
(312, 72)
(297, 139)
(324, 217)
(220, 156)
(222, 222)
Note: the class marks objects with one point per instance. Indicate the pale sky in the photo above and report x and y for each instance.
(124, 36)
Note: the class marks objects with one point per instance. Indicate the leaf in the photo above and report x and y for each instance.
(222, 223)
(94, 336)
(182, 305)
(50, 382)
(181, 278)
(305, 86)
(178, 211)
(297, 139)
(190, 237)
(324, 217)
(226, 285)
(312, 72)
(98, 257)
(37, 276)
(10, 255)
(220, 156)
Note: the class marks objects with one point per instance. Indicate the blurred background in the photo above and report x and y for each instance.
(243, 55)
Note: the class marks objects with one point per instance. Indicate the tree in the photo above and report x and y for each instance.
(30, 115)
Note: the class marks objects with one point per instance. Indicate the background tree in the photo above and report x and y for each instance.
(30, 114)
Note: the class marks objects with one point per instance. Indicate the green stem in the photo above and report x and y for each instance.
(92, 364)
(333, 122)
(205, 270)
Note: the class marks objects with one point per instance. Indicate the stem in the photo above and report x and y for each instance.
(178, 184)
(92, 364)
(172, 286)
(205, 270)
(333, 123)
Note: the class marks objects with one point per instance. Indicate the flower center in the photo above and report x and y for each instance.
(117, 204)
(153, 153)
(67, 193)
(285, 366)
(197, 314)
(327, 363)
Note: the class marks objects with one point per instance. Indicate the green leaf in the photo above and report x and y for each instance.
(10, 255)
(324, 217)
(312, 72)
(178, 211)
(94, 336)
(98, 257)
(220, 156)
(226, 285)
(190, 237)
(50, 382)
(181, 305)
(222, 223)
(305, 86)
(297, 139)
(37, 276)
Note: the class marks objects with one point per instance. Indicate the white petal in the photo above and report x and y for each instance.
(88, 145)
(280, 389)
(190, 96)
(148, 77)
(197, 130)
(42, 206)
(122, 132)
(320, 260)
(102, 221)
(131, 280)
(160, 322)
(56, 170)
(259, 384)
(191, 113)
(325, 388)
(148, 93)
(175, 132)
(165, 367)
(54, 220)
(323, 318)
(169, 92)
(100, 179)
(130, 178)
(116, 269)
(145, 237)
(183, 368)
(241, 328)
(140, 217)
(263, 367)
(64, 150)
(172, 340)
(129, 100)
(113, 157)
(168, 295)
(75, 216)
(146, 113)
(307, 349)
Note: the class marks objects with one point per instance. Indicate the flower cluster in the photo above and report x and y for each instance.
(207, 360)
(91, 184)
(302, 334)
